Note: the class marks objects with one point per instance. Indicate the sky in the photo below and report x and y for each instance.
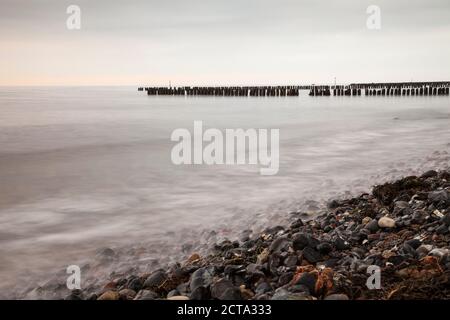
(227, 42)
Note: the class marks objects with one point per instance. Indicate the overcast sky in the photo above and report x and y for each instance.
(211, 42)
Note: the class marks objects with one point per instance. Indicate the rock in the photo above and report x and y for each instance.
(330, 263)
(74, 296)
(274, 262)
(333, 204)
(201, 278)
(297, 224)
(438, 196)
(312, 255)
(300, 241)
(173, 293)
(401, 208)
(429, 174)
(155, 280)
(109, 295)
(183, 288)
(263, 287)
(414, 243)
(285, 278)
(146, 295)
(178, 298)
(300, 288)
(135, 284)
(373, 237)
(438, 252)
(366, 220)
(308, 280)
(283, 294)
(200, 293)
(280, 244)
(127, 294)
(224, 289)
(443, 229)
(386, 222)
(341, 244)
(193, 258)
(446, 219)
(424, 249)
(263, 257)
(290, 261)
(254, 271)
(232, 269)
(246, 294)
(324, 248)
(337, 296)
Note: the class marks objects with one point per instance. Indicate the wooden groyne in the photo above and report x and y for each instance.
(256, 91)
(354, 89)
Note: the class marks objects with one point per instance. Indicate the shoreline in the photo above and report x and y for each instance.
(401, 230)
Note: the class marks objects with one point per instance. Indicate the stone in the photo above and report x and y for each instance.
(429, 174)
(300, 241)
(283, 294)
(200, 293)
(263, 287)
(74, 296)
(324, 248)
(109, 295)
(193, 258)
(263, 256)
(333, 204)
(155, 280)
(442, 229)
(246, 294)
(135, 284)
(178, 298)
(438, 196)
(308, 280)
(127, 294)
(146, 295)
(401, 208)
(438, 252)
(312, 255)
(285, 278)
(341, 244)
(172, 293)
(201, 278)
(290, 261)
(300, 288)
(224, 289)
(366, 220)
(446, 219)
(414, 243)
(279, 244)
(424, 249)
(386, 222)
(337, 296)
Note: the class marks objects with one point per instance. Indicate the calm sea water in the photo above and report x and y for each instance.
(85, 168)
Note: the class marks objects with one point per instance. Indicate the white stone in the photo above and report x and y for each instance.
(386, 222)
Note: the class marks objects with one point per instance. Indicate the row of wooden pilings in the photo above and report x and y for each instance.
(406, 91)
(380, 91)
(261, 91)
(356, 89)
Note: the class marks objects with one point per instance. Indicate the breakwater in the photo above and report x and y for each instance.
(355, 89)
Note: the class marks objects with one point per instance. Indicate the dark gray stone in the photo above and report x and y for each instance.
(324, 248)
(155, 280)
(308, 280)
(263, 287)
